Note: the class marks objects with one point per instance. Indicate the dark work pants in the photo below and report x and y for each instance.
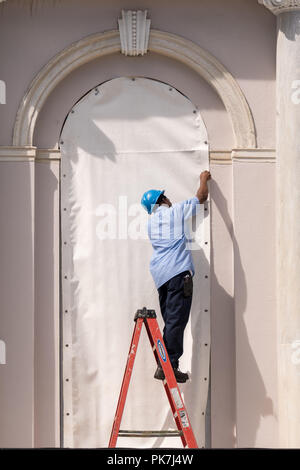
(175, 309)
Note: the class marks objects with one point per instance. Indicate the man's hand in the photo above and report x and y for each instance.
(202, 192)
(205, 176)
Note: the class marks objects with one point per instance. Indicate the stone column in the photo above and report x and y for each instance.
(288, 217)
(17, 293)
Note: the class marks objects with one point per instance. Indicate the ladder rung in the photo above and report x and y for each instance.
(170, 433)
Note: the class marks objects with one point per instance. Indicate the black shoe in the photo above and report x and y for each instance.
(159, 373)
(181, 377)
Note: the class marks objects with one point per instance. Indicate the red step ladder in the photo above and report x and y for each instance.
(184, 429)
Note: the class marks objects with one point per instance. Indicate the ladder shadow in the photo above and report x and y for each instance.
(168, 423)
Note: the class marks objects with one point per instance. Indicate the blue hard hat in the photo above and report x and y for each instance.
(149, 199)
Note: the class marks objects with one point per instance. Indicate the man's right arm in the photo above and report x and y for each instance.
(202, 193)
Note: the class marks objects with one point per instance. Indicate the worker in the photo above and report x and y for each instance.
(172, 266)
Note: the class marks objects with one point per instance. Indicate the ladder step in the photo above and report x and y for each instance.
(170, 433)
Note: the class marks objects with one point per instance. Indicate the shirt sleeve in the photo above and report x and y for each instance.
(189, 207)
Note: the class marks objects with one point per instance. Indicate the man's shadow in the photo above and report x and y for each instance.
(247, 391)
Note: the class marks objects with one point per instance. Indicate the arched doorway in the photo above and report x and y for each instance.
(171, 45)
(122, 137)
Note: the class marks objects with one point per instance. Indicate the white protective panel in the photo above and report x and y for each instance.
(122, 138)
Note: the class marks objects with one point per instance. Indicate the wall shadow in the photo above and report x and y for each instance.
(252, 400)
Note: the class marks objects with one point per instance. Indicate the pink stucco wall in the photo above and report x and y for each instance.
(239, 33)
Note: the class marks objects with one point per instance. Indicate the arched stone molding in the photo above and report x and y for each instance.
(164, 43)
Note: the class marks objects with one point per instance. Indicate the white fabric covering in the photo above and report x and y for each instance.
(124, 137)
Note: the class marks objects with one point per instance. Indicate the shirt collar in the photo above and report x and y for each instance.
(161, 207)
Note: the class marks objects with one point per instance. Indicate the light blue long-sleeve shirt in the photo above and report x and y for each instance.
(168, 233)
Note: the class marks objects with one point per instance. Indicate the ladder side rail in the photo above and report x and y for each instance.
(175, 412)
(154, 335)
(171, 387)
(153, 346)
(155, 338)
(125, 382)
(171, 401)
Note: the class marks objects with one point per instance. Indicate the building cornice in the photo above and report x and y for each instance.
(17, 153)
(280, 6)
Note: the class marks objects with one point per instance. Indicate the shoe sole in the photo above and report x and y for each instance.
(179, 381)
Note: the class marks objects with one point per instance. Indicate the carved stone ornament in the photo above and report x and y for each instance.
(134, 30)
(280, 6)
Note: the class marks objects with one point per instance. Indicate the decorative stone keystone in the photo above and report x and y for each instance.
(134, 28)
